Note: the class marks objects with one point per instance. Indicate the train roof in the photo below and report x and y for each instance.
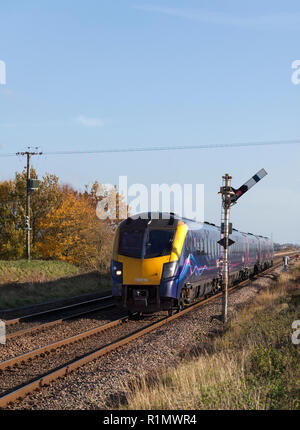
(191, 223)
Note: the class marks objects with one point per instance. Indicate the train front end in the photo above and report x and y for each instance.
(144, 266)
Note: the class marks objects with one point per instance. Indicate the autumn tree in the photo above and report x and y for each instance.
(64, 222)
(12, 211)
(72, 232)
(12, 239)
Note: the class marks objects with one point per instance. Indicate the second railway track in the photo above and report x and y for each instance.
(43, 320)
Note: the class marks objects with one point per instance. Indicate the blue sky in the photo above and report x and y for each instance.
(117, 74)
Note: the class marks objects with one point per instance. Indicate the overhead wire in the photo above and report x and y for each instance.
(165, 148)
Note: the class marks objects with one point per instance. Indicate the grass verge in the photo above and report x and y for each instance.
(253, 365)
(37, 281)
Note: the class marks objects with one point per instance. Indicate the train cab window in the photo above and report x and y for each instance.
(159, 243)
(131, 243)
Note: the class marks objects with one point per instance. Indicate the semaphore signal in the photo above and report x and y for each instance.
(230, 196)
(247, 185)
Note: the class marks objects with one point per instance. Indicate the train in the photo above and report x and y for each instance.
(162, 262)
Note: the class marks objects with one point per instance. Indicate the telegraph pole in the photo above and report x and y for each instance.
(27, 223)
(30, 186)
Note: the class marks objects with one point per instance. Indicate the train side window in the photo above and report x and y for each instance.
(205, 246)
(202, 247)
(198, 246)
(188, 243)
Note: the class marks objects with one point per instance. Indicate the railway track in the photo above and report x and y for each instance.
(31, 323)
(26, 324)
(57, 360)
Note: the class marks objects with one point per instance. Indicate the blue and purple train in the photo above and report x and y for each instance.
(162, 262)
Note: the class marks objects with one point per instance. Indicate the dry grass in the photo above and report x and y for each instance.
(208, 382)
(254, 365)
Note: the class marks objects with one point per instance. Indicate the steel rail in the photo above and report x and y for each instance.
(20, 393)
(19, 359)
(62, 308)
(54, 310)
(49, 324)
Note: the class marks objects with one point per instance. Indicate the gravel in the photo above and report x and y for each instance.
(28, 342)
(55, 315)
(98, 384)
(49, 361)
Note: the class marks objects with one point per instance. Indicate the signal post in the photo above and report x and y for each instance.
(229, 197)
(226, 228)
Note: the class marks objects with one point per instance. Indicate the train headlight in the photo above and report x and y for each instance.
(116, 269)
(169, 270)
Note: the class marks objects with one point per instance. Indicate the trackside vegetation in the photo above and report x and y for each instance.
(64, 222)
(37, 281)
(70, 246)
(253, 365)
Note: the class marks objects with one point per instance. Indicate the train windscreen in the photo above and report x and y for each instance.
(157, 243)
(131, 243)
